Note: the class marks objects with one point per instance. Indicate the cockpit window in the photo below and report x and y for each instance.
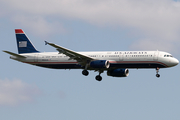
(168, 56)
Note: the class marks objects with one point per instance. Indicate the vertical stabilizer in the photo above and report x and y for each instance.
(24, 45)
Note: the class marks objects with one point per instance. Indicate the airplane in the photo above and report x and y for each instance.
(116, 63)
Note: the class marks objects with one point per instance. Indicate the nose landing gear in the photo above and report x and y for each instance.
(157, 71)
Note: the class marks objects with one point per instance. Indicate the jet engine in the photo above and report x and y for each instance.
(118, 72)
(99, 64)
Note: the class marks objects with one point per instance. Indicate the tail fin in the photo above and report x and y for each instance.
(24, 45)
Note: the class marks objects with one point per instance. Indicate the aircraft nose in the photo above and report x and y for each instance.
(175, 61)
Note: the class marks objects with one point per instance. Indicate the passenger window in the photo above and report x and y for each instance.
(164, 55)
(167, 55)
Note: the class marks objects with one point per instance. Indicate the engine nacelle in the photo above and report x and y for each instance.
(99, 64)
(118, 72)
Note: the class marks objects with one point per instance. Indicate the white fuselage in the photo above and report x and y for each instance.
(117, 59)
(116, 63)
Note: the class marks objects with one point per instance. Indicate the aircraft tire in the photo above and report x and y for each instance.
(85, 72)
(157, 75)
(98, 78)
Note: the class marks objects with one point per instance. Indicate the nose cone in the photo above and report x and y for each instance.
(175, 61)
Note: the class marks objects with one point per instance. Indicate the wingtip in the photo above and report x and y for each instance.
(46, 42)
(4, 51)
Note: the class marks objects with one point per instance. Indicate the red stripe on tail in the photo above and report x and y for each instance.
(19, 31)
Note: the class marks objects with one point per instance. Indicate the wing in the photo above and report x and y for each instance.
(14, 54)
(82, 59)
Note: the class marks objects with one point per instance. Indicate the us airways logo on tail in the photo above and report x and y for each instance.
(116, 63)
(23, 43)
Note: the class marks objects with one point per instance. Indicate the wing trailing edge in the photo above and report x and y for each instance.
(72, 54)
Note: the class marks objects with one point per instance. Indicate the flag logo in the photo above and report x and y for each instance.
(23, 44)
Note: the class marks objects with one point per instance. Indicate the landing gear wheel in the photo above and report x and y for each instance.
(98, 78)
(85, 72)
(157, 75)
(157, 71)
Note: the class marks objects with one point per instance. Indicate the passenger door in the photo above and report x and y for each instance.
(156, 55)
(121, 56)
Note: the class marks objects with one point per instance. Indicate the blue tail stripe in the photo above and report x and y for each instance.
(24, 45)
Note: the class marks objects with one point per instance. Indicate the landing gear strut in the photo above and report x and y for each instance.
(98, 77)
(85, 72)
(157, 71)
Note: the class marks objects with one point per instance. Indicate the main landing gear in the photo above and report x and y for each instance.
(85, 72)
(98, 77)
(157, 71)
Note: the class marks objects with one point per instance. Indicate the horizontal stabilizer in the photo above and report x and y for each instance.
(14, 54)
